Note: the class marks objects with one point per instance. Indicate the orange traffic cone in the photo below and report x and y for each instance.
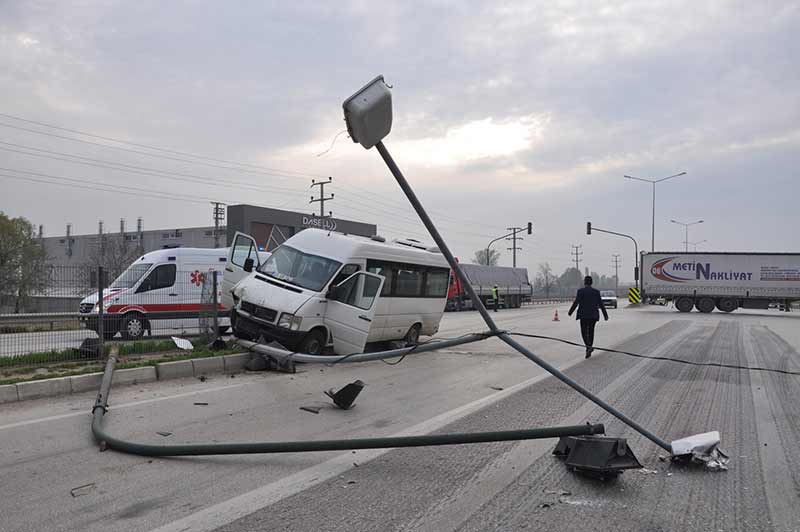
(555, 316)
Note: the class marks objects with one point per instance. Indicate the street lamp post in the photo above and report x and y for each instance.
(653, 182)
(686, 227)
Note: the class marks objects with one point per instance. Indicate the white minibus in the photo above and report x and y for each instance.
(323, 289)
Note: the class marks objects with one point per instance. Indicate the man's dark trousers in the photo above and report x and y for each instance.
(587, 331)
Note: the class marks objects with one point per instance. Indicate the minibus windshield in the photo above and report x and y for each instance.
(295, 267)
(131, 276)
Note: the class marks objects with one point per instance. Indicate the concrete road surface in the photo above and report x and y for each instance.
(54, 477)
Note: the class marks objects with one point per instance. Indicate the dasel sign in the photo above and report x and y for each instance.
(328, 224)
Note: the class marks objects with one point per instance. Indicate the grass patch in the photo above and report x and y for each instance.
(169, 353)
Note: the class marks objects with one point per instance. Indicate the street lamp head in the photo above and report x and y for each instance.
(368, 113)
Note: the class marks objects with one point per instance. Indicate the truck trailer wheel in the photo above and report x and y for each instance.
(705, 305)
(133, 327)
(684, 304)
(727, 304)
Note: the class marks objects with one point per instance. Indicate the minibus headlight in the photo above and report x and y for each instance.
(290, 321)
(96, 308)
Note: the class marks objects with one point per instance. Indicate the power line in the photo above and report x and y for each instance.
(279, 173)
(150, 147)
(147, 154)
(141, 170)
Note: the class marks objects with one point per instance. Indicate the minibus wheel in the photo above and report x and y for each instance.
(412, 336)
(133, 327)
(313, 343)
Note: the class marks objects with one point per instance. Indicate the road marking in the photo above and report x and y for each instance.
(240, 506)
(451, 512)
(117, 407)
(778, 485)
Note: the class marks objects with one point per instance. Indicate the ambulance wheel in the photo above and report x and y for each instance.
(133, 327)
(313, 343)
(412, 336)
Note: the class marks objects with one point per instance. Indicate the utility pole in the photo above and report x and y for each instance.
(140, 234)
(101, 239)
(616, 272)
(69, 240)
(514, 239)
(219, 215)
(322, 199)
(576, 251)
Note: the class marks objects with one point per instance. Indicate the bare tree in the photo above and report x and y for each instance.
(545, 280)
(487, 260)
(114, 254)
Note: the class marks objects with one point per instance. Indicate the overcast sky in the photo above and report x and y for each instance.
(504, 113)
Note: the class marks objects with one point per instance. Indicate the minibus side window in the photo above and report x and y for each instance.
(409, 282)
(436, 283)
(359, 291)
(162, 276)
(385, 270)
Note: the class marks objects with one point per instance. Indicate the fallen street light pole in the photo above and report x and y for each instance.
(368, 115)
(401, 180)
(107, 441)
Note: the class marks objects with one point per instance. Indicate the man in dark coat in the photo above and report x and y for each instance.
(589, 304)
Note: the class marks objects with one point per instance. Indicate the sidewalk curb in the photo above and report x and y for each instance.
(196, 367)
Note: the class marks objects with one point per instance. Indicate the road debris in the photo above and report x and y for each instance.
(163, 433)
(646, 471)
(702, 449)
(498, 388)
(557, 492)
(312, 409)
(345, 397)
(201, 404)
(82, 490)
(202, 378)
(183, 343)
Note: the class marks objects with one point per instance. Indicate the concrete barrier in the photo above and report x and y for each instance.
(8, 393)
(44, 388)
(84, 383)
(236, 363)
(207, 366)
(91, 381)
(135, 375)
(175, 370)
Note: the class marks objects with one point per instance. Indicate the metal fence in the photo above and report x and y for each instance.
(65, 319)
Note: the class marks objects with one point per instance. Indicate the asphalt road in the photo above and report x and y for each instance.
(54, 477)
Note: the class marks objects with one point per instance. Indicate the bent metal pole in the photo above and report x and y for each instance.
(477, 303)
(219, 448)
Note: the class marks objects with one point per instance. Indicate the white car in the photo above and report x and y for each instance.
(609, 298)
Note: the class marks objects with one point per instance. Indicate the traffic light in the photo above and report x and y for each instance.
(588, 228)
(530, 228)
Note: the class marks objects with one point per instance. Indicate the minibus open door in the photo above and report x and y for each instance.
(351, 311)
(242, 256)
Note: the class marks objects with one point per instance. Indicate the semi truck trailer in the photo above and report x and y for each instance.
(725, 281)
(513, 286)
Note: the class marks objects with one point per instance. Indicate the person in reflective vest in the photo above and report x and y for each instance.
(495, 298)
